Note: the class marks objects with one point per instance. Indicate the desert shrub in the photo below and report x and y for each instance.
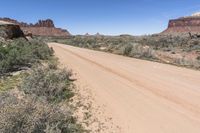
(10, 82)
(127, 49)
(198, 58)
(187, 62)
(139, 51)
(54, 85)
(21, 53)
(148, 53)
(53, 63)
(40, 50)
(32, 116)
(6, 99)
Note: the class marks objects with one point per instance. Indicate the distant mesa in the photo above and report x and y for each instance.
(97, 34)
(188, 24)
(87, 34)
(41, 28)
(197, 14)
(125, 35)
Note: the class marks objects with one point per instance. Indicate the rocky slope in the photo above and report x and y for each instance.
(41, 28)
(10, 30)
(190, 24)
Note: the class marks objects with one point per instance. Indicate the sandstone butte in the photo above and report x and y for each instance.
(183, 25)
(41, 28)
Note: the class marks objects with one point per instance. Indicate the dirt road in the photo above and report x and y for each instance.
(141, 96)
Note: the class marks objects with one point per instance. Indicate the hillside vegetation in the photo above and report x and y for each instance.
(35, 94)
(20, 53)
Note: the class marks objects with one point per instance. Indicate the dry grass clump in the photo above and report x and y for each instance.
(32, 116)
(53, 85)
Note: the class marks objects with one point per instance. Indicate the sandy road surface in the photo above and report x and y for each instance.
(141, 96)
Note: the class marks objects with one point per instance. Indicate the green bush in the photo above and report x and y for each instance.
(198, 58)
(20, 53)
(54, 85)
(40, 50)
(127, 49)
(10, 82)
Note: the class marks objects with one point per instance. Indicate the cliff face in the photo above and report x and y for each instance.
(41, 28)
(184, 25)
(46, 31)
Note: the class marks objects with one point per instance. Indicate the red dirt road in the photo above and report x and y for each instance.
(140, 96)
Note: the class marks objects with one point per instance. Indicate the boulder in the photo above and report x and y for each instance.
(9, 30)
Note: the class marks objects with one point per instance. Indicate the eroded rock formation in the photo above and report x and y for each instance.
(41, 28)
(189, 24)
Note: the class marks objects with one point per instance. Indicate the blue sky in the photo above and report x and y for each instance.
(111, 17)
